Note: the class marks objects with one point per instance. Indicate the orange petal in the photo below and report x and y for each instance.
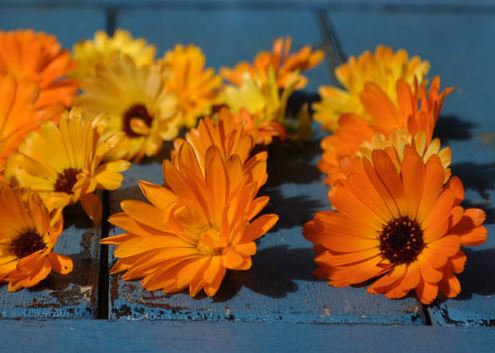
(60, 263)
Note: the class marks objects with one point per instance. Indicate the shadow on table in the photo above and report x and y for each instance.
(479, 177)
(273, 274)
(451, 127)
(479, 275)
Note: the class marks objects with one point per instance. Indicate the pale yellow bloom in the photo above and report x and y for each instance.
(102, 48)
(384, 68)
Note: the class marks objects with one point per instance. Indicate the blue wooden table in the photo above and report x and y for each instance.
(278, 305)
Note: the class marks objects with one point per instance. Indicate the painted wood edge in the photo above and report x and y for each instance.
(146, 336)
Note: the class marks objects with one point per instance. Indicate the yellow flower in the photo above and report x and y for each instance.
(261, 99)
(27, 239)
(65, 163)
(100, 51)
(384, 68)
(197, 88)
(136, 102)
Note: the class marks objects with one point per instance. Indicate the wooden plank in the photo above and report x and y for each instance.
(74, 295)
(280, 286)
(194, 337)
(459, 47)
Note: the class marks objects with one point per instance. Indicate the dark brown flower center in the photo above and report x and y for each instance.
(137, 111)
(27, 243)
(66, 180)
(401, 241)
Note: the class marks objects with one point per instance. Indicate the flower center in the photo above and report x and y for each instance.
(401, 241)
(27, 243)
(137, 121)
(66, 180)
(208, 239)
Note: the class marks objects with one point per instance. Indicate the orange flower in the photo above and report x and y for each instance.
(27, 238)
(404, 226)
(18, 115)
(198, 226)
(39, 57)
(416, 110)
(233, 134)
(383, 68)
(226, 134)
(197, 88)
(285, 63)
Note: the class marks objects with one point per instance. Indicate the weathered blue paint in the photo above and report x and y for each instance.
(193, 337)
(460, 48)
(74, 295)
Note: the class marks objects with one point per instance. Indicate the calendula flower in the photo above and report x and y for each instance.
(417, 111)
(196, 88)
(39, 57)
(264, 102)
(401, 228)
(225, 132)
(101, 50)
(19, 113)
(285, 64)
(27, 239)
(136, 102)
(65, 163)
(383, 68)
(199, 225)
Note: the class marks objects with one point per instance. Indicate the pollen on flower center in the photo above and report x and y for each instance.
(27, 243)
(137, 120)
(208, 240)
(66, 180)
(401, 241)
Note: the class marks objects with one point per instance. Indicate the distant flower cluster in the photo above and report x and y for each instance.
(72, 123)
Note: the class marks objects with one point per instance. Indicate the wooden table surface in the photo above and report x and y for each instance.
(278, 305)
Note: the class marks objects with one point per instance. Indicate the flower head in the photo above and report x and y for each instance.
(383, 68)
(263, 102)
(403, 226)
(136, 102)
(227, 133)
(201, 223)
(413, 117)
(101, 50)
(280, 59)
(27, 239)
(196, 88)
(19, 113)
(65, 163)
(39, 57)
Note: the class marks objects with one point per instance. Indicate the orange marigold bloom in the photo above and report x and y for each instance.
(197, 88)
(404, 226)
(233, 134)
(27, 240)
(383, 68)
(39, 57)
(417, 109)
(18, 113)
(198, 226)
(281, 59)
